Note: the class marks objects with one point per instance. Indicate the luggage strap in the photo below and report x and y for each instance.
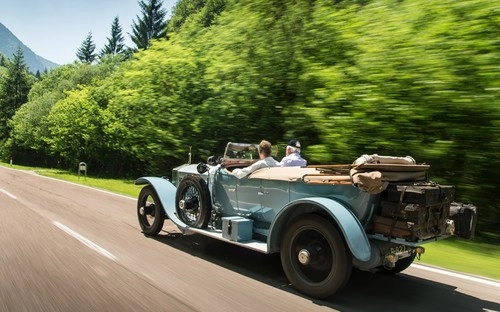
(395, 218)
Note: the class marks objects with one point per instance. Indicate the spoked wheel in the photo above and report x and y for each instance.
(150, 211)
(193, 203)
(400, 265)
(315, 258)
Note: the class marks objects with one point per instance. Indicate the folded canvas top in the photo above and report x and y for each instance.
(372, 173)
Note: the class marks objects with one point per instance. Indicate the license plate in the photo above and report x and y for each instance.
(401, 251)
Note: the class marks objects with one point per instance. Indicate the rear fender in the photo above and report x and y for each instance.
(166, 194)
(349, 225)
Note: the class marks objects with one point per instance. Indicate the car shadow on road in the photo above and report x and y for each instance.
(365, 291)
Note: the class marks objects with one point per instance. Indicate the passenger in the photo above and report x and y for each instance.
(293, 158)
(266, 160)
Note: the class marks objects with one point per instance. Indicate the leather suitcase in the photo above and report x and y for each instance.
(414, 213)
(465, 217)
(425, 195)
(408, 230)
(393, 228)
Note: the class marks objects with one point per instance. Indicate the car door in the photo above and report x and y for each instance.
(274, 196)
(248, 192)
(261, 199)
(225, 192)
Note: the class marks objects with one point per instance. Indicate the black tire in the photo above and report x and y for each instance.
(192, 202)
(315, 258)
(150, 211)
(400, 265)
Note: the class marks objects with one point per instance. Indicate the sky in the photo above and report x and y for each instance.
(55, 29)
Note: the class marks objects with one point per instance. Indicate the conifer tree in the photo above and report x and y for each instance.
(86, 53)
(151, 25)
(14, 89)
(115, 41)
(2, 60)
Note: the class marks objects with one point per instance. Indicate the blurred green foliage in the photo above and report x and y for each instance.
(346, 78)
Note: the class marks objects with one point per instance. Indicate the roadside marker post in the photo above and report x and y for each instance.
(82, 167)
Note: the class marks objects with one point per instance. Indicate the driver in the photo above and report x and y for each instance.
(266, 160)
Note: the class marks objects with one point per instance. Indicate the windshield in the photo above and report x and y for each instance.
(242, 151)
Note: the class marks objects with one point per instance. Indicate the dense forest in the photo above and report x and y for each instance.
(346, 78)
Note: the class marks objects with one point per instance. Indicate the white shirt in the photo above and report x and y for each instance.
(263, 163)
(293, 160)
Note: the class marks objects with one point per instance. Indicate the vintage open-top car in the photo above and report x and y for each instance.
(373, 214)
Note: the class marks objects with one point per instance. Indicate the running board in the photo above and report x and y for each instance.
(217, 234)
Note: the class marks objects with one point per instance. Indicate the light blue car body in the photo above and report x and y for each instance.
(323, 220)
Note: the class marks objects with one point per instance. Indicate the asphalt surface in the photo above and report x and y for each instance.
(65, 247)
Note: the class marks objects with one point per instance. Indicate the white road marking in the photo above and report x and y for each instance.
(457, 275)
(8, 194)
(85, 241)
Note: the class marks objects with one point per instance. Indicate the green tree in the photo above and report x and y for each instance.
(182, 10)
(3, 60)
(28, 142)
(14, 89)
(115, 44)
(29, 128)
(151, 25)
(75, 126)
(152, 112)
(86, 52)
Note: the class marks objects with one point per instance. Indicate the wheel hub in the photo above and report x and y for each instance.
(147, 209)
(189, 204)
(304, 257)
(182, 204)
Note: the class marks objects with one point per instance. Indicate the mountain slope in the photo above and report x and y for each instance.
(9, 44)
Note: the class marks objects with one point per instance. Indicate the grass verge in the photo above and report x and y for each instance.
(480, 256)
(477, 257)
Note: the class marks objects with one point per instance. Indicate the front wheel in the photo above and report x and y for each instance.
(150, 211)
(314, 257)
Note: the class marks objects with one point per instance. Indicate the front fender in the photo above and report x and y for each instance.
(349, 225)
(166, 194)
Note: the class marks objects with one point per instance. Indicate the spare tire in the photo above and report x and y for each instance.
(192, 202)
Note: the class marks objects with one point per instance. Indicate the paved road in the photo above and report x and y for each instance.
(65, 247)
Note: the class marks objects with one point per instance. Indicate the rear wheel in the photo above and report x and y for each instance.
(193, 204)
(315, 258)
(150, 211)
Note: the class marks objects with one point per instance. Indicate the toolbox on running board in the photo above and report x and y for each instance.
(237, 229)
